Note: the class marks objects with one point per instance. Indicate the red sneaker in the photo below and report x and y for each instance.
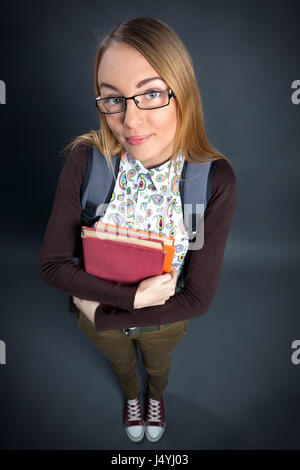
(133, 420)
(155, 421)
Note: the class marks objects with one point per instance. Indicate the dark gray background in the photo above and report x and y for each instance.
(232, 383)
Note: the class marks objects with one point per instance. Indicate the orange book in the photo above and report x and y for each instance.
(168, 242)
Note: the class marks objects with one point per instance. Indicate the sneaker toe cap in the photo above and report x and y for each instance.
(154, 431)
(135, 431)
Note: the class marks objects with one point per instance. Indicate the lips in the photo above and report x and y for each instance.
(138, 140)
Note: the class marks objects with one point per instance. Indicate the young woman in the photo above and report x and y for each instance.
(150, 117)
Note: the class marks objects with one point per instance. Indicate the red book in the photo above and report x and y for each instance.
(121, 258)
(169, 242)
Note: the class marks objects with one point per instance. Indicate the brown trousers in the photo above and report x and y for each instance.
(121, 351)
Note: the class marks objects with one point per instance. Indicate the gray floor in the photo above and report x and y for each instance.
(232, 384)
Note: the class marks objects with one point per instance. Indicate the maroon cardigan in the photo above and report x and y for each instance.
(203, 267)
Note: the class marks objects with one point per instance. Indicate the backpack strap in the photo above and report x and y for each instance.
(97, 187)
(195, 193)
(210, 180)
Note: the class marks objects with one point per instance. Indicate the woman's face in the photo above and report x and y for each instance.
(123, 67)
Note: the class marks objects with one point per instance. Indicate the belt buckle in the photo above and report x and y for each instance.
(132, 331)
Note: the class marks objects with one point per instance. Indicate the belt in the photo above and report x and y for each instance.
(136, 330)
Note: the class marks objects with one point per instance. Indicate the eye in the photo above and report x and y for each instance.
(109, 100)
(153, 92)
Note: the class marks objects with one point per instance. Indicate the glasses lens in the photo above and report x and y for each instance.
(153, 99)
(111, 105)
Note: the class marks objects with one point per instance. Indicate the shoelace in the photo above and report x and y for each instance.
(134, 411)
(154, 411)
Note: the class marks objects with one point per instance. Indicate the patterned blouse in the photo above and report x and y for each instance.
(149, 200)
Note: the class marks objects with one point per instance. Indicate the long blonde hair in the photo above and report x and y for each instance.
(164, 50)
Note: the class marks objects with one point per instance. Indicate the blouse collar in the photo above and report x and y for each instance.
(158, 176)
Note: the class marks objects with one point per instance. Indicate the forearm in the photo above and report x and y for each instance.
(175, 309)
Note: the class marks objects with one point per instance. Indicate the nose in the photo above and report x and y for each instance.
(132, 115)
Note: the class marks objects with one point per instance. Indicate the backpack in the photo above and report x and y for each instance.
(98, 185)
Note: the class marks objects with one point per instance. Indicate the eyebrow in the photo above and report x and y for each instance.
(138, 85)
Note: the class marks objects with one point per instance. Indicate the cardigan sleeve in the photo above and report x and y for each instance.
(56, 266)
(203, 265)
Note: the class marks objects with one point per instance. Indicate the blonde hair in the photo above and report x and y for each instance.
(164, 50)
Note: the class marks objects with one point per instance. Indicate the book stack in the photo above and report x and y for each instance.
(125, 255)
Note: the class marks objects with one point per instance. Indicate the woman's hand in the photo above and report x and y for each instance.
(156, 290)
(88, 307)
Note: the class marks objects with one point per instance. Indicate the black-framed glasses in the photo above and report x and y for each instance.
(153, 99)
